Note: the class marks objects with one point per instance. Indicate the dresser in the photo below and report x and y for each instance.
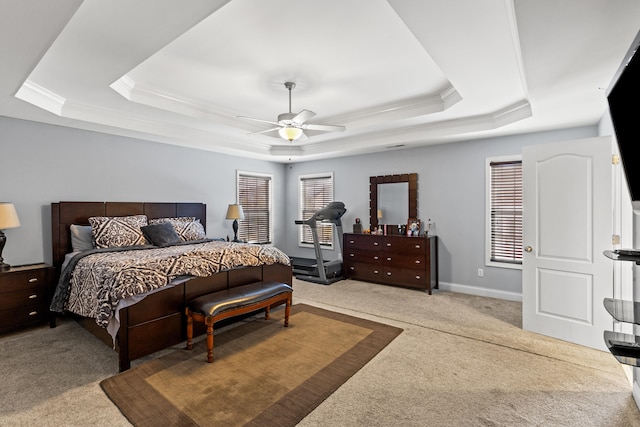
(24, 295)
(392, 260)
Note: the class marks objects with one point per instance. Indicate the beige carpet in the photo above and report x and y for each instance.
(263, 373)
(461, 360)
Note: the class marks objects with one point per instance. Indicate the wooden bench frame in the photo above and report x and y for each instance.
(208, 320)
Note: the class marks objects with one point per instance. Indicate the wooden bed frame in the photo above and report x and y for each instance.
(158, 321)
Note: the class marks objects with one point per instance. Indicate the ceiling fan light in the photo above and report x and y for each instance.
(290, 133)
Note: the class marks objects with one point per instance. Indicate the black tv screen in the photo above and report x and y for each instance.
(623, 96)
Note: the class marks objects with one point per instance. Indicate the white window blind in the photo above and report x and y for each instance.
(316, 191)
(506, 211)
(254, 195)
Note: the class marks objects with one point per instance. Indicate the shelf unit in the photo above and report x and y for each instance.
(624, 347)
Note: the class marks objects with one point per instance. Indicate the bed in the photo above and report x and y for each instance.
(155, 320)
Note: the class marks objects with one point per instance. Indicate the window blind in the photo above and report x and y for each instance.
(315, 193)
(506, 211)
(254, 194)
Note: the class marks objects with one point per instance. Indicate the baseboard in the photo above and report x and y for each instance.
(636, 394)
(484, 292)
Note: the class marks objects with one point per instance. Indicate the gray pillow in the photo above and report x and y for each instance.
(81, 238)
(162, 234)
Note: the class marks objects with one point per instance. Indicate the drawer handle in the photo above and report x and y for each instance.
(351, 241)
(388, 273)
(375, 243)
(352, 254)
(34, 296)
(352, 268)
(375, 257)
(33, 313)
(417, 261)
(388, 245)
(418, 246)
(33, 280)
(376, 271)
(388, 258)
(418, 277)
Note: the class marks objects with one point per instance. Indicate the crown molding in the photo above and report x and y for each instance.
(41, 97)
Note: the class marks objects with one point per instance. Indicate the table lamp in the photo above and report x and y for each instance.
(235, 213)
(8, 219)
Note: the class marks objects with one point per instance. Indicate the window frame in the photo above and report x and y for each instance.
(488, 213)
(258, 175)
(301, 208)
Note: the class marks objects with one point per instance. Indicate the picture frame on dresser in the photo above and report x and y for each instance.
(413, 227)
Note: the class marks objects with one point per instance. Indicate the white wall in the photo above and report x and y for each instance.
(451, 191)
(41, 164)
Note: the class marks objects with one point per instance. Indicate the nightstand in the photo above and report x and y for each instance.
(24, 295)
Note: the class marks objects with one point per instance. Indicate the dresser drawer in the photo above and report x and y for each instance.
(405, 277)
(24, 280)
(413, 245)
(362, 242)
(389, 275)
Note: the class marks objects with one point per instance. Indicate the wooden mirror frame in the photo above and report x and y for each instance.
(374, 181)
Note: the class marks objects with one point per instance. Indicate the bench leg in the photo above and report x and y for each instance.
(287, 310)
(189, 330)
(209, 322)
(266, 313)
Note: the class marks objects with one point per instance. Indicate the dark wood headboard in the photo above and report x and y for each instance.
(64, 214)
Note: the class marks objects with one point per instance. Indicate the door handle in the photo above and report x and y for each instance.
(528, 249)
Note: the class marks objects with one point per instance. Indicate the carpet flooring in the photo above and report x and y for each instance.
(461, 360)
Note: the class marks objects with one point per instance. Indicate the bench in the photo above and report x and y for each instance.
(216, 306)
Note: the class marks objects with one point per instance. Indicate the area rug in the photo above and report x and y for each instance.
(263, 374)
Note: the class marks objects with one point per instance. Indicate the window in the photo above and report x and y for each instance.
(315, 192)
(504, 216)
(254, 195)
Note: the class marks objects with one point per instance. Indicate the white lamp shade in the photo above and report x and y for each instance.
(235, 212)
(8, 216)
(379, 213)
(290, 133)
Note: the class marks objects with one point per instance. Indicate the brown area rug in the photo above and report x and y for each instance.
(263, 374)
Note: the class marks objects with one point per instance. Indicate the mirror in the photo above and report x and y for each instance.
(396, 196)
(392, 203)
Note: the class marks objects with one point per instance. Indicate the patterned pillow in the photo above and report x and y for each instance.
(110, 232)
(188, 227)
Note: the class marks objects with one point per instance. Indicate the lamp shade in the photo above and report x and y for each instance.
(379, 213)
(8, 216)
(235, 212)
(290, 133)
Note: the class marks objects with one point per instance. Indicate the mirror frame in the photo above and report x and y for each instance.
(374, 181)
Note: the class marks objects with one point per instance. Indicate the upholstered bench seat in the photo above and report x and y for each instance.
(216, 306)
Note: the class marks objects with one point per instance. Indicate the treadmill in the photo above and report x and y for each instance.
(321, 271)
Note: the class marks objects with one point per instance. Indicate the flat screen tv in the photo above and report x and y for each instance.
(623, 96)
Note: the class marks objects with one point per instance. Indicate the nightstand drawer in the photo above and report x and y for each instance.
(25, 297)
(22, 316)
(23, 280)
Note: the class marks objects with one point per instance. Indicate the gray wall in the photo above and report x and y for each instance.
(451, 191)
(41, 164)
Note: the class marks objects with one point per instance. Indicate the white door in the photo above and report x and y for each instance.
(567, 224)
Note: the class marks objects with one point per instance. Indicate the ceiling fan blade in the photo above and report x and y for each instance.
(303, 116)
(264, 131)
(325, 128)
(259, 120)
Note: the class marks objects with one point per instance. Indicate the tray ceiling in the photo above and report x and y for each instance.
(396, 73)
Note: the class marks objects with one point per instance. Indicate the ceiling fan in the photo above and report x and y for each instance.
(290, 126)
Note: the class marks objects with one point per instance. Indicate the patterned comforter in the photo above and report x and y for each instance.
(94, 282)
